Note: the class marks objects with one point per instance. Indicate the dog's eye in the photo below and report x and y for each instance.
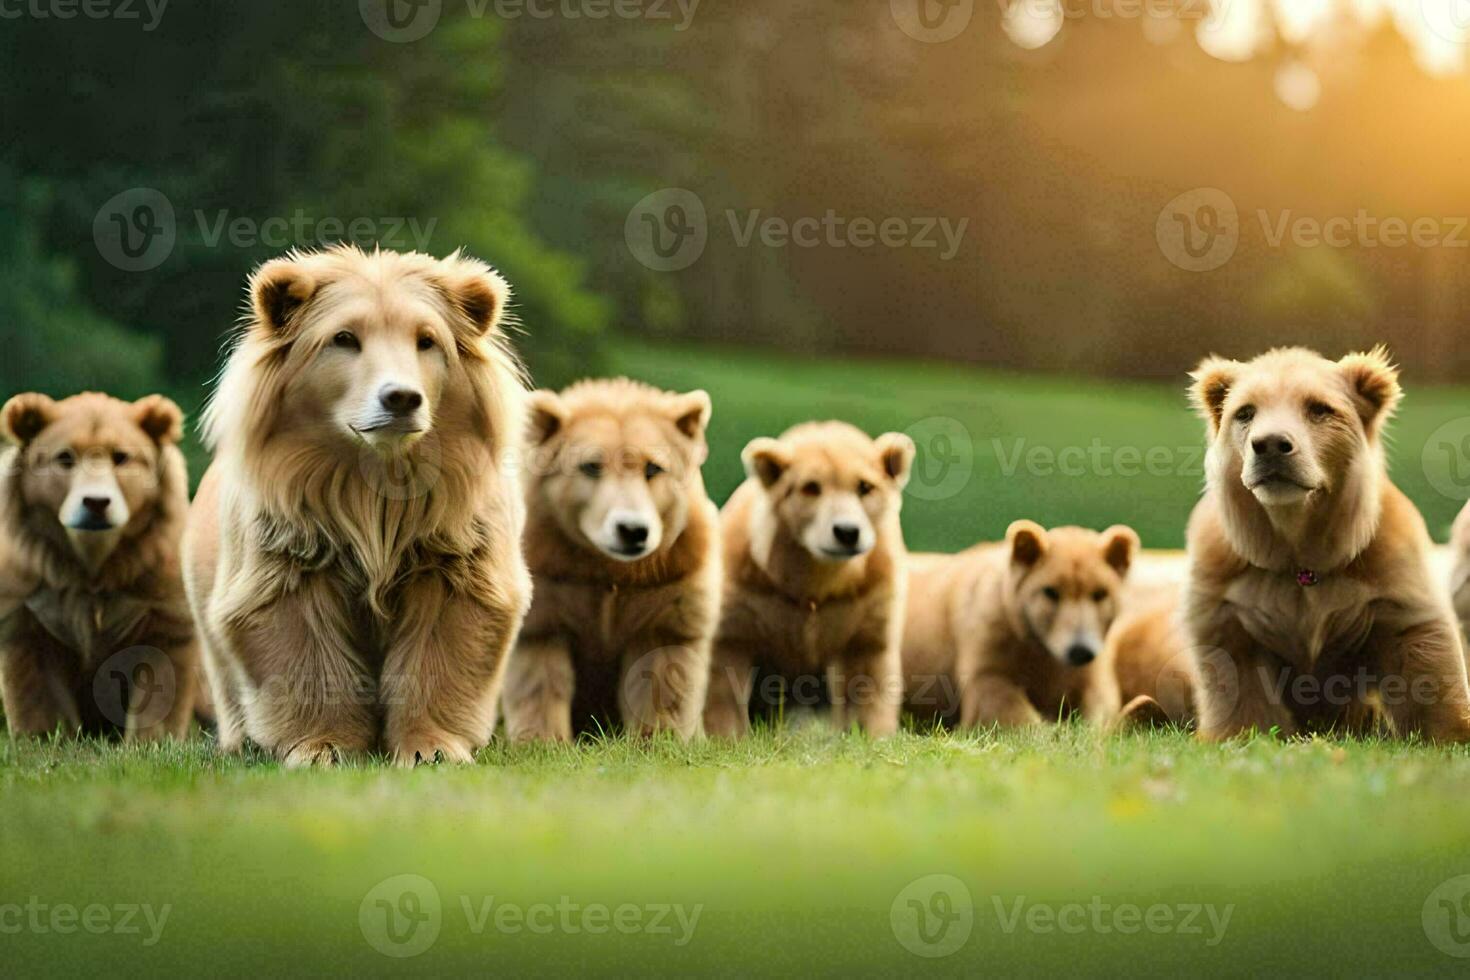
(1317, 410)
(1101, 595)
(811, 488)
(1051, 593)
(119, 458)
(346, 340)
(651, 470)
(592, 469)
(1245, 413)
(66, 459)
(864, 488)
(426, 343)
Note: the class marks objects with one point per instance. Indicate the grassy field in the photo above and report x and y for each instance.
(800, 851)
(796, 853)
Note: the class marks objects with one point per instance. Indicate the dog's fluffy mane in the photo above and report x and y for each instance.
(309, 499)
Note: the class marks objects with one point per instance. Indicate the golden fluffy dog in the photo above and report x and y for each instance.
(1310, 603)
(353, 554)
(814, 574)
(623, 546)
(95, 634)
(1012, 634)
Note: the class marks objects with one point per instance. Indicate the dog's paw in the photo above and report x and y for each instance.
(431, 747)
(314, 753)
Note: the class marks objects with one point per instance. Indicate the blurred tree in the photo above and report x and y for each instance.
(276, 124)
(55, 343)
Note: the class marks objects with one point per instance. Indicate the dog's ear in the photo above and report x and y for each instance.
(1027, 541)
(160, 418)
(474, 290)
(279, 289)
(547, 415)
(1119, 544)
(896, 453)
(24, 416)
(766, 460)
(691, 412)
(1212, 381)
(1374, 382)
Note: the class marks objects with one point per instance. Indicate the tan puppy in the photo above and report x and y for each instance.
(1310, 602)
(623, 545)
(95, 633)
(1011, 634)
(1149, 650)
(814, 574)
(354, 552)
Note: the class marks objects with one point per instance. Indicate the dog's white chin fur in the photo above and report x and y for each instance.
(94, 547)
(1279, 493)
(389, 442)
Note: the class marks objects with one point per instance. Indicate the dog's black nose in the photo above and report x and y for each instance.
(631, 535)
(1276, 444)
(847, 534)
(400, 400)
(1079, 654)
(97, 505)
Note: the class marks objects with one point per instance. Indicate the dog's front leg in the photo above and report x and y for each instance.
(1102, 700)
(727, 703)
(867, 687)
(445, 659)
(539, 682)
(990, 698)
(310, 698)
(1423, 687)
(1240, 689)
(663, 685)
(33, 679)
(161, 695)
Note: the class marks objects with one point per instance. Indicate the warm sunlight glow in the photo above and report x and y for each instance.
(1314, 33)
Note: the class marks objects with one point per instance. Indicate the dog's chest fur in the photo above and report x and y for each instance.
(808, 636)
(602, 620)
(1302, 624)
(94, 624)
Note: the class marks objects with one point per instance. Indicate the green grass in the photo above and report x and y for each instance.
(799, 846)
(794, 846)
